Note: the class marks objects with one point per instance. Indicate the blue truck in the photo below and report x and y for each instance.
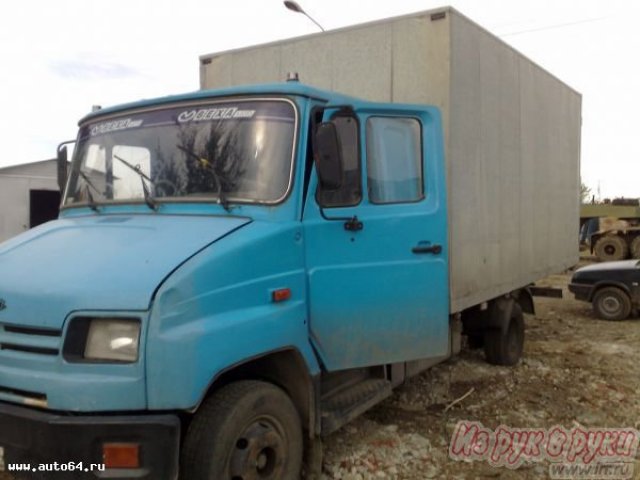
(238, 272)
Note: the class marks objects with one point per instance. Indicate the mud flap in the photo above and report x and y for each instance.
(313, 458)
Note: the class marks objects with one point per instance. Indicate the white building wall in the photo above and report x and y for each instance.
(15, 184)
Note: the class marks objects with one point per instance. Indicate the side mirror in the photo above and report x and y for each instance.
(62, 167)
(326, 154)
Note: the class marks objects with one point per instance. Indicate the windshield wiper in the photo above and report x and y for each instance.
(88, 183)
(135, 168)
(205, 162)
(148, 198)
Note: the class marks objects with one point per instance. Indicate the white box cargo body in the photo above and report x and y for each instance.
(512, 133)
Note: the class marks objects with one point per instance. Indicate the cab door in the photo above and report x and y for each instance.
(376, 247)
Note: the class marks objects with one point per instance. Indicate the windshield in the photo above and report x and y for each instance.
(235, 151)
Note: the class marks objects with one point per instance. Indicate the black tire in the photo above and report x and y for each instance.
(635, 248)
(611, 303)
(247, 429)
(611, 248)
(504, 347)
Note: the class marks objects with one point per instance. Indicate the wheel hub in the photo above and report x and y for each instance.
(258, 453)
(611, 305)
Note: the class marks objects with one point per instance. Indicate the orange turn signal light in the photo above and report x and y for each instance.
(121, 455)
(281, 294)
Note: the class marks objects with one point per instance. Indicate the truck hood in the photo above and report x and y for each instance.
(102, 262)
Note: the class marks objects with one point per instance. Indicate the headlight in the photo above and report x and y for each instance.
(102, 340)
(111, 339)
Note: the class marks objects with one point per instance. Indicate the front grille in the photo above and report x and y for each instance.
(24, 397)
(29, 349)
(31, 340)
(45, 332)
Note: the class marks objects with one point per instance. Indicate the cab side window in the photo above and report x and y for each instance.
(350, 192)
(394, 160)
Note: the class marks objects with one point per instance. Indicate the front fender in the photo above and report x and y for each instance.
(184, 361)
(622, 286)
(216, 311)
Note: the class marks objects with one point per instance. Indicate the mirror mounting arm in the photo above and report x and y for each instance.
(351, 224)
(61, 160)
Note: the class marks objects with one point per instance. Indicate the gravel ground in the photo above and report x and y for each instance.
(577, 371)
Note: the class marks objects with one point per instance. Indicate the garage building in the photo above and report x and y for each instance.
(29, 196)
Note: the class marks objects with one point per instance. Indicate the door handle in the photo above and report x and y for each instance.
(434, 249)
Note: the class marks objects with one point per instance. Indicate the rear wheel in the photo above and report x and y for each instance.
(635, 247)
(504, 346)
(248, 430)
(611, 303)
(611, 248)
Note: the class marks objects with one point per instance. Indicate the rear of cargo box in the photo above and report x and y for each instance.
(512, 133)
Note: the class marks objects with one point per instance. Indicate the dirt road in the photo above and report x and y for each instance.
(577, 371)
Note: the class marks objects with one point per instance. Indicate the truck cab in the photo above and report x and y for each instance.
(233, 274)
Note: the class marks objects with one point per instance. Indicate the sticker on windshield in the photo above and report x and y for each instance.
(114, 126)
(204, 114)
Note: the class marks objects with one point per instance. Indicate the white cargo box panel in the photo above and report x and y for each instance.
(512, 133)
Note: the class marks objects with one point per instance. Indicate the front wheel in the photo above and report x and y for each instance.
(248, 430)
(611, 303)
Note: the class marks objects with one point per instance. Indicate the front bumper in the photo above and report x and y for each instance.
(34, 437)
(581, 291)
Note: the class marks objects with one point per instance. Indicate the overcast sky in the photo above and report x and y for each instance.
(61, 57)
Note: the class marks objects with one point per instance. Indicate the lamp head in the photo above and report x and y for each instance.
(293, 6)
